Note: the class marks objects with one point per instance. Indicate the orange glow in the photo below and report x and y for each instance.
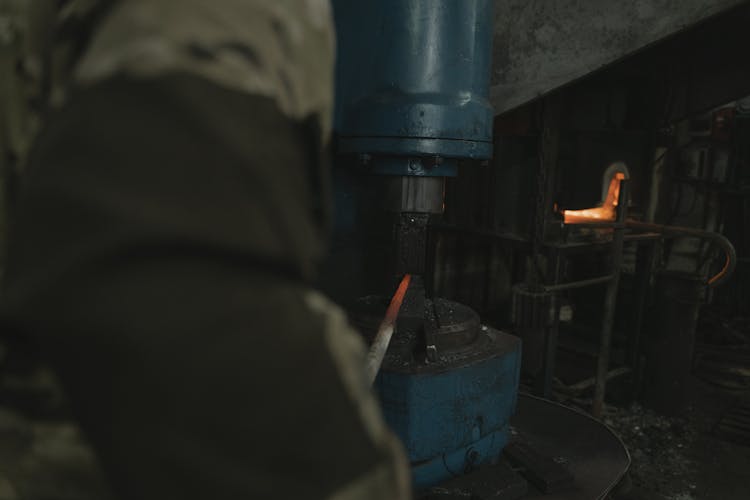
(392, 312)
(606, 212)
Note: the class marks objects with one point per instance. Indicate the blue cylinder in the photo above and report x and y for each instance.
(412, 80)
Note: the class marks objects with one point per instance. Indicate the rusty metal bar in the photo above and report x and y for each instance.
(690, 232)
(578, 284)
(584, 384)
(610, 303)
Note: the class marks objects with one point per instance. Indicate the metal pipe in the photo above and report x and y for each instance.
(610, 302)
(385, 331)
(642, 237)
(586, 383)
(731, 254)
(671, 341)
(594, 224)
(578, 284)
(414, 194)
(644, 266)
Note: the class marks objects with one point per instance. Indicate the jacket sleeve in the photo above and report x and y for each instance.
(161, 257)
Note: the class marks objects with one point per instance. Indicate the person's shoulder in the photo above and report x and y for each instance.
(282, 49)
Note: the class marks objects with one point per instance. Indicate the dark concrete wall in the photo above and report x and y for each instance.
(541, 45)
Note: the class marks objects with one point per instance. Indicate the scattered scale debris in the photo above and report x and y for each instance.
(658, 447)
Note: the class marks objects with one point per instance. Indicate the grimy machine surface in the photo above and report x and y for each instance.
(412, 102)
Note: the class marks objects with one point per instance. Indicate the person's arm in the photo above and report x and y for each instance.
(159, 256)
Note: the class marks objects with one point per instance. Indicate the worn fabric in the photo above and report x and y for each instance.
(40, 42)
(166, 236)
(283, 49)
(171, 217)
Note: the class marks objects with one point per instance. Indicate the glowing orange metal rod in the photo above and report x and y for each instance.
(385, 331)
(605, 212)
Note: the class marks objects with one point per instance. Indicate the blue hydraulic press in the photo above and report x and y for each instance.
(412, 101)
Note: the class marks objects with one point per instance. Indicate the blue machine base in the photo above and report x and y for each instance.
(453, 415)
(455, 463)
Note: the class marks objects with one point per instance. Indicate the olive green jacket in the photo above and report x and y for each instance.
(170, 218)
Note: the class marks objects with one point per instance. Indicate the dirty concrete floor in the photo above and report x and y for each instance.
(683, 458)
(44, 457)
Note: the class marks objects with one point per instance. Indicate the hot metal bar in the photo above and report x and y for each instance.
(385, 331)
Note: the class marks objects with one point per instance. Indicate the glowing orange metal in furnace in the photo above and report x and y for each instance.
(606, 212)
